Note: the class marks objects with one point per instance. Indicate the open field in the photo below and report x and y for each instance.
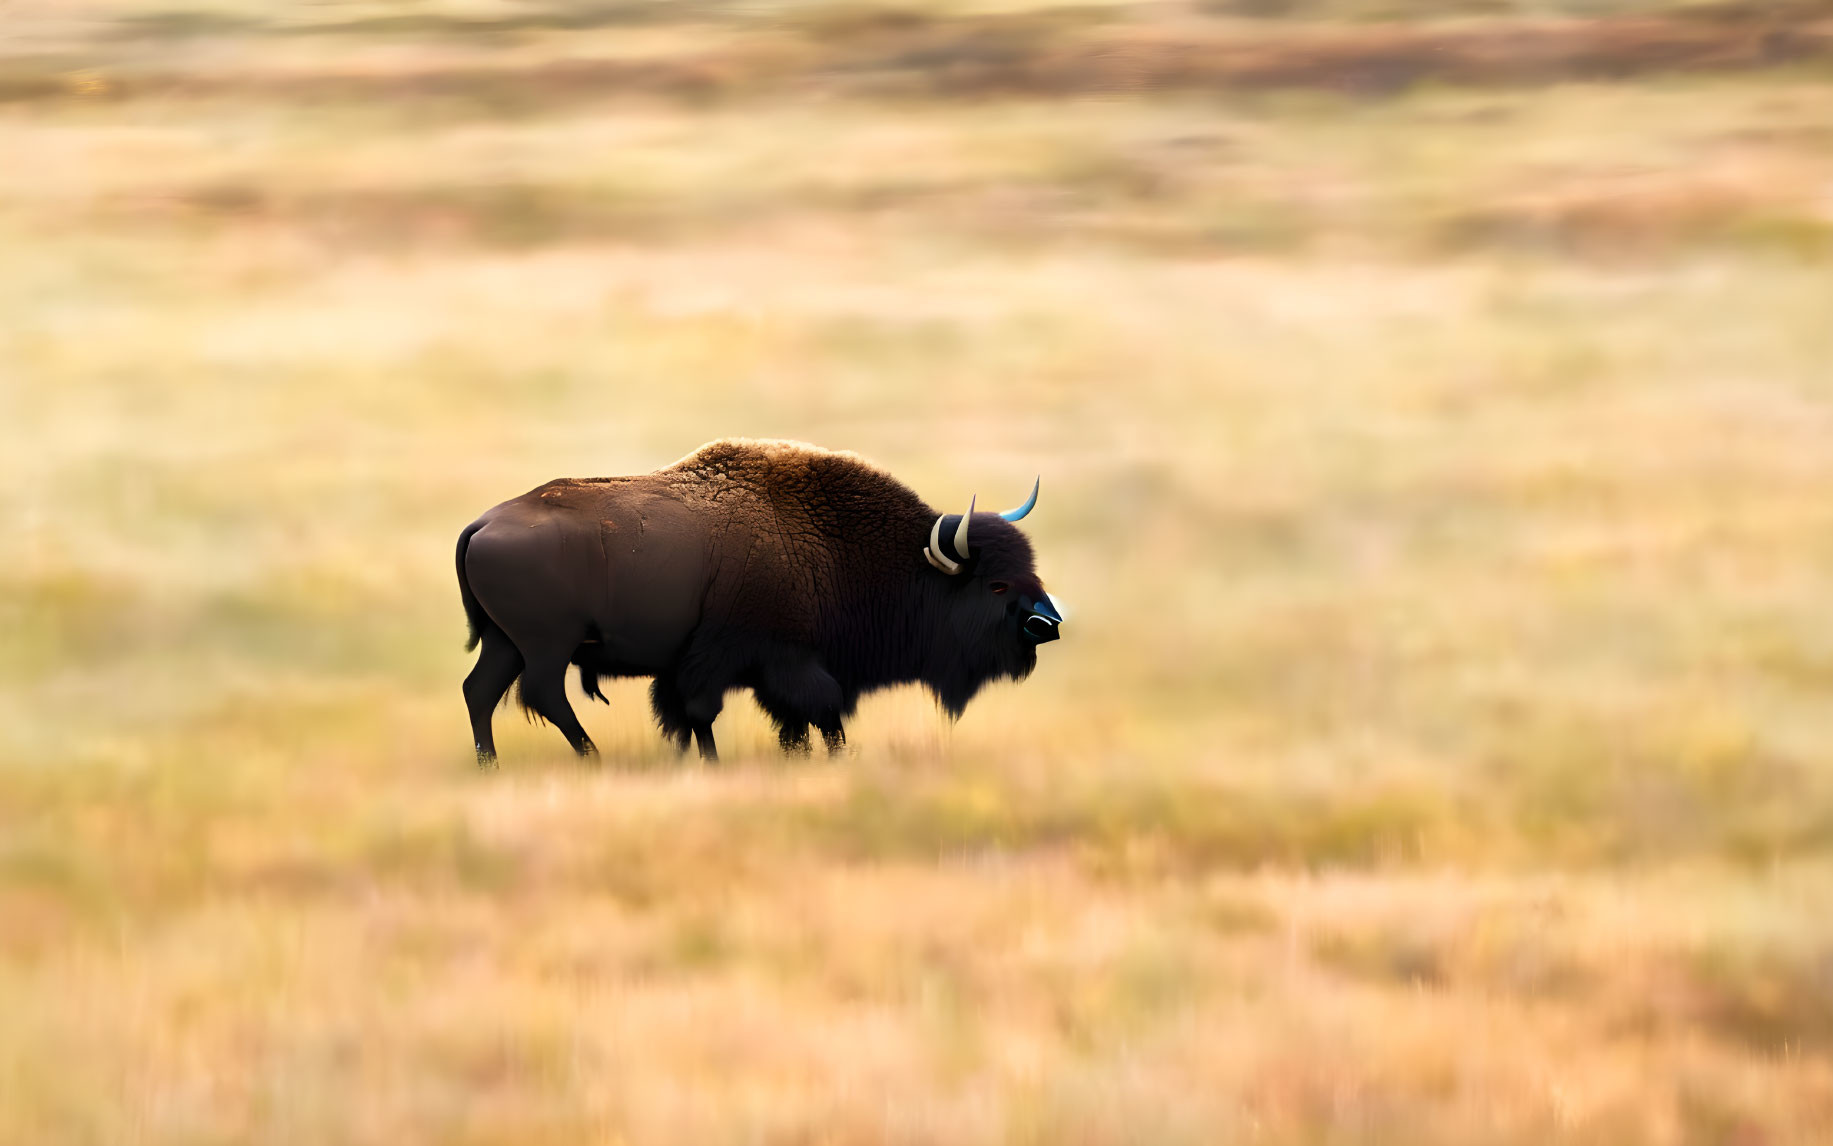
(1437, 470)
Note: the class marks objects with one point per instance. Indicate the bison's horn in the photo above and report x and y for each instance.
(1019, 513)
(933, 551)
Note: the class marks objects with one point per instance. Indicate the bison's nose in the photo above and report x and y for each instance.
(1045, 616)
(1040, 628)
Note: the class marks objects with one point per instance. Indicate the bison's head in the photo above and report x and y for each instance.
(996, 608)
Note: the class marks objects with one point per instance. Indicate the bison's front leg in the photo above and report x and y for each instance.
(681, 716)
(670, 711)
(703, 736)
(702, 709)
(791, 724)
(796, 691)
(793, 739)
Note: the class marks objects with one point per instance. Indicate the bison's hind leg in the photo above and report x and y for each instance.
(544, 694)
(499, 662)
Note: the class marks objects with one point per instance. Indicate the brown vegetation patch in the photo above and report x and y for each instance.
(523, 213)
(1780, 1002)
(1051, 53)
(1392, 59)
(1130, 208)
(1644, 212)
(1135, 829)
(1749, 994)
(509, 214)
(562, 17)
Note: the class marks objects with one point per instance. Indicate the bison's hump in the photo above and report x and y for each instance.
(745, 456)
(793, 473)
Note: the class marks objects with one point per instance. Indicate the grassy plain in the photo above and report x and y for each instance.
(1438, 476)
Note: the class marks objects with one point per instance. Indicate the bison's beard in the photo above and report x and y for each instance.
(978, 658)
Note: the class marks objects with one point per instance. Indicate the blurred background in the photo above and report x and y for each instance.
(1434, 403)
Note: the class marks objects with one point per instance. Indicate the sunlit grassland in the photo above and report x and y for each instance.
(1439, 484)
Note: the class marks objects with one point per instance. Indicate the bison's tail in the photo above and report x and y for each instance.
(475, 616)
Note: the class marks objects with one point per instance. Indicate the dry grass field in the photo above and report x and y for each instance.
(1437, 459)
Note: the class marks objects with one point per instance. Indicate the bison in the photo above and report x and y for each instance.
(808, 576)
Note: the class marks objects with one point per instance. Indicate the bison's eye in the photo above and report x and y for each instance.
(999, 586)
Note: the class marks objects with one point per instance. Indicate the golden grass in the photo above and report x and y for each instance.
(1436, 753)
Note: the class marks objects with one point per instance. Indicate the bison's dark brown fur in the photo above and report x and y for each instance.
(793, 571)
